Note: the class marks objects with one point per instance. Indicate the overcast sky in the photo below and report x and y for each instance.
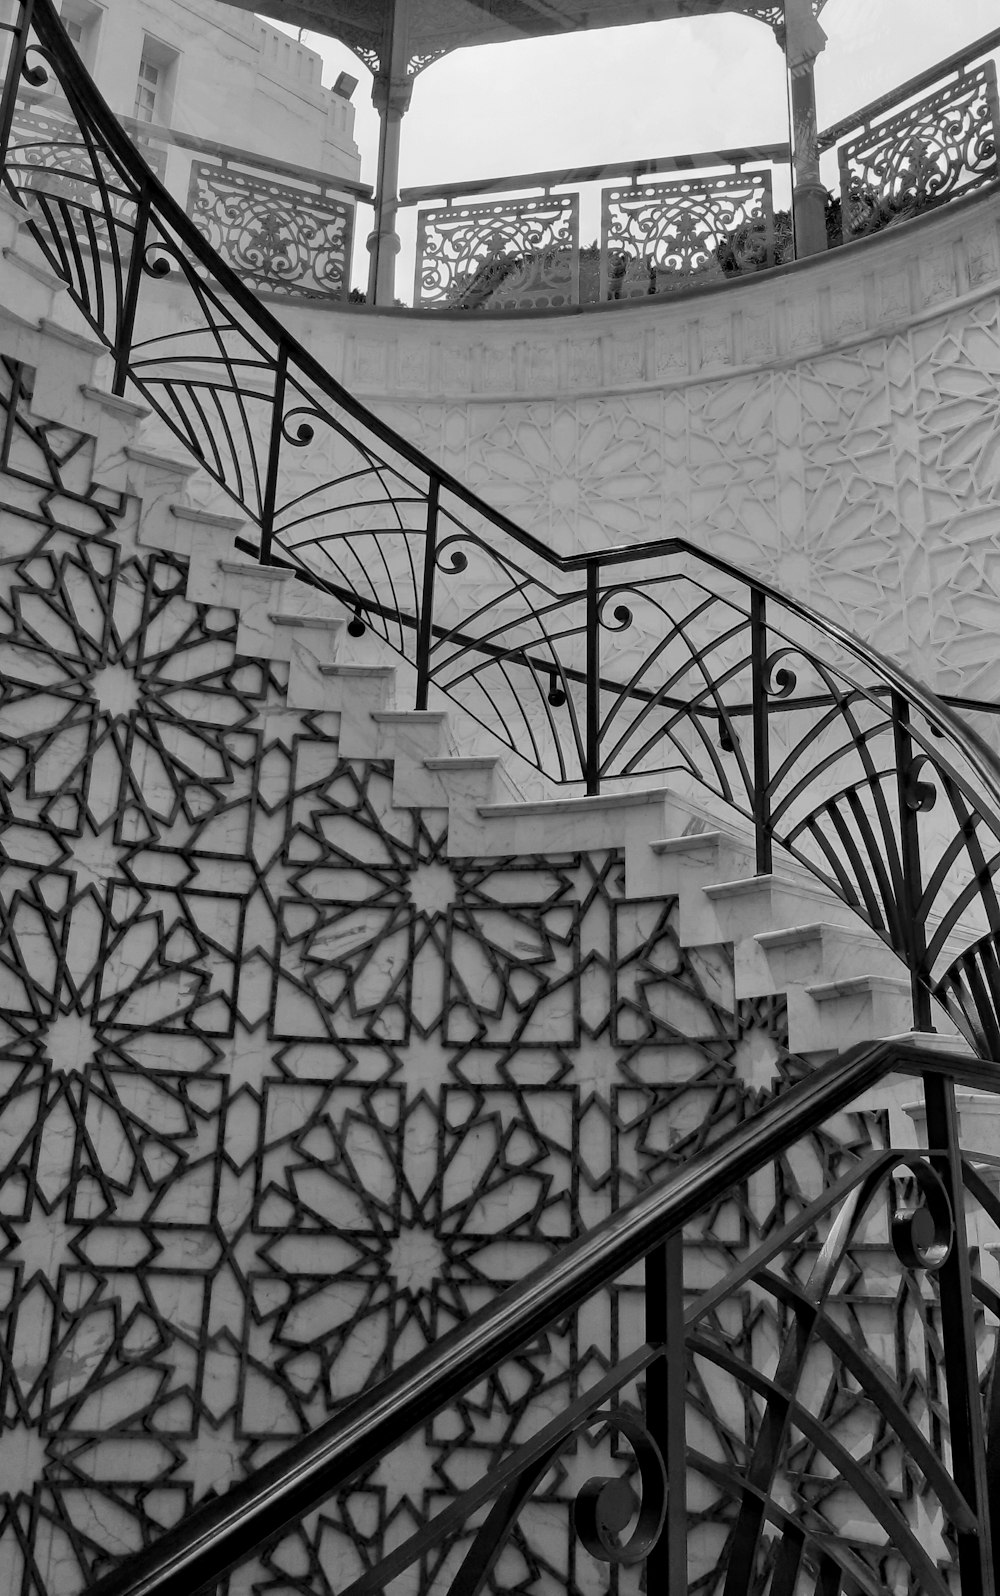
(657, 89)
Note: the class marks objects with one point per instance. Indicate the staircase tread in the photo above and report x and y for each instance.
(815, 931)
(190, 512)
(273, 573)
(35, 268)
(744, 885)
(323, 623)
(142, 455)
(850, 985)
(357, 670)
(420, 717)
(115, 401)
(577, 806)
(463, 762)
(55, 329)
(696, 839)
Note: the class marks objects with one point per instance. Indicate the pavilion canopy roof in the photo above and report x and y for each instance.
(435, 27)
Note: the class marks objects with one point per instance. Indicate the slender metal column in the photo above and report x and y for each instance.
(966, 1424)
(761, 747)
(391, 97)
(592, 732)
(804, 39)
(273, 457)
(666, 1393)
(425, 629)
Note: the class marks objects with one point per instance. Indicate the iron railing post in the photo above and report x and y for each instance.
(425, 620)
(15, 66)
(592, 732)
(130, 299)
(269, 498)
(666, 1396)
(966, 1420)
(761, 749)
(910, 930)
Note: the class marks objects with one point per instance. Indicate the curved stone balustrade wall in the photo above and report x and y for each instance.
(832, 426)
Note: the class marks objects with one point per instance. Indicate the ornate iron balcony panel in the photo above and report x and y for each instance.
(502, 255)
(943, 146)
(276, 237)
(656, 237)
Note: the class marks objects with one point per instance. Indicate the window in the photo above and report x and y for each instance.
(145, 91)
(82, 21)
(154, 84)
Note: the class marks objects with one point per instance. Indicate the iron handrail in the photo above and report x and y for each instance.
(233, 153)
(220, 1533)
(562, 176)
(905, 91)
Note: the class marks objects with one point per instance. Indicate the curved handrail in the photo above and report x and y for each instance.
(632, 662)
(221, 1532)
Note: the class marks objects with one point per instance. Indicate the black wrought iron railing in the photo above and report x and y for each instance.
(630, 663)
(899, 1470)
(930, 140)
(658, 226)
(690, 220)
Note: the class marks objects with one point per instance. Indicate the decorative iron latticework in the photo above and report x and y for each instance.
(280, 238)
(51, 142)
(657, 237)
(943, 146)
(500, 255)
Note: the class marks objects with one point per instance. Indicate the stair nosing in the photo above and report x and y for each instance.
(462, 762)
(420, 717)
(273, 573)
(225, 523)
(357, 670)
(41, 273)
(151, 457)
(814, 931)
(744, 885)
(690, 839)
(322, 623)
(115, 401)
(852, 985)
(55, 329)
(570, 806)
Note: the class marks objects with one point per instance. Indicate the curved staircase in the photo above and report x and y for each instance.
(338, 1029)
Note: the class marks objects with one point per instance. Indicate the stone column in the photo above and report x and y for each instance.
(804, 39)
(391, 92)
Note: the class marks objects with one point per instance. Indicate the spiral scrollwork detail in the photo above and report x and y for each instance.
(780, 680)
(923, 1231)
(449, 559)
(605, 1506)
(296, 429)
(612, 616)
(920, 795)
(156, 261)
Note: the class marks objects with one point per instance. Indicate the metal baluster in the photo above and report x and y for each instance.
(130, 300)
(761, 750)
(269, 499)
(965, 1411)
(592, 751)
(425, 630)
(666, 1394)
(910, 928)
(15, 66)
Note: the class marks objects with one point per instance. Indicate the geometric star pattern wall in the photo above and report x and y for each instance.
(285, 1091)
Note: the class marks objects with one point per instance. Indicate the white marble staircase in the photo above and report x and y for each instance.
(788, 934)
